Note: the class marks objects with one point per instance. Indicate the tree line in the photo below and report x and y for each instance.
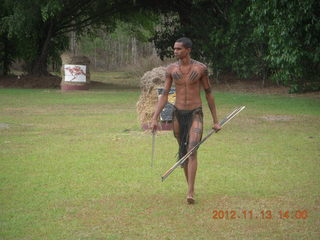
(277, 40)
(116, 50)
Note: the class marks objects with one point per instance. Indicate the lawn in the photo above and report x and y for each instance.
(76, 165)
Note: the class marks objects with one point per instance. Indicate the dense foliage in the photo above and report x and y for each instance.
(291, 30)
(40, 27)
(276, 40)
(7, 43)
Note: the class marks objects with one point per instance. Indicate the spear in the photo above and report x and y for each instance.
(153, 143)
(185, 157)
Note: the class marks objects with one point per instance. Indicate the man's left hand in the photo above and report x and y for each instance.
(216, 127)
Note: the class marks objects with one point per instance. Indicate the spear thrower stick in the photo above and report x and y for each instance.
(185, 157)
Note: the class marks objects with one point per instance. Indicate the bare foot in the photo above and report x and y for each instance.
(190, 200)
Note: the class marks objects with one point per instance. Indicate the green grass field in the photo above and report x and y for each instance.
(76, 165)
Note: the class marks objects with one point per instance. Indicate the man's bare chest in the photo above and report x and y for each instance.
(181, 76)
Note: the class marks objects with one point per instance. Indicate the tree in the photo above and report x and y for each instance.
(291, 30)
(41, 26)
(7, 49)
(126, 44)
(272, 39)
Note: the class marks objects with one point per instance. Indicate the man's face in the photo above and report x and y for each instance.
(180, 51)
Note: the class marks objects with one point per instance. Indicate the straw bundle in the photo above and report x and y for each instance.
(69, 58)
(149, 83)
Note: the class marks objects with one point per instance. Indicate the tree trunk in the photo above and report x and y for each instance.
(95, 54)
(134, 50)
(185, 13)
(7, 54)
(73, 42)
(6, 58)
(39, 66)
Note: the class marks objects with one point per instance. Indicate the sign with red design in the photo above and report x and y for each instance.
(75, 73)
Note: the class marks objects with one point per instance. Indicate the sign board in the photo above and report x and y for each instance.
(75, 73)
(166, 113)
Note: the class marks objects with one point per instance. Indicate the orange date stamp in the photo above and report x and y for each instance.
(263, 214)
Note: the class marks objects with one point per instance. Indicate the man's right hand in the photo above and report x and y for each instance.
(154, 126)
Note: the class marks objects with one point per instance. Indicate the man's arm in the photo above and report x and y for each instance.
(210, 99)
(163, 99)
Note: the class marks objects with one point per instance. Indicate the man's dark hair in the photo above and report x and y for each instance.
(186, 42)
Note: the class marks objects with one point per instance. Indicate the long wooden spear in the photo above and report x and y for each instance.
(185, 157)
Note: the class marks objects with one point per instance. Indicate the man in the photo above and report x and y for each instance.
(188, 76)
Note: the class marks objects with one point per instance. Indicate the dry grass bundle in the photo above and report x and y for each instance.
(149, 83)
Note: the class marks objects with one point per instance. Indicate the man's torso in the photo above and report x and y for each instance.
(187, 81)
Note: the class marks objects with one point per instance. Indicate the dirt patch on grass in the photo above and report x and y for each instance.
(4, 125)
(231, 83)
(28, 81)
(277, 118)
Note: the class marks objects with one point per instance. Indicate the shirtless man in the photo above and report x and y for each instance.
(188, 76)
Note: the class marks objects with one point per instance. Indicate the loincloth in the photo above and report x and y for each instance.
(185, 119)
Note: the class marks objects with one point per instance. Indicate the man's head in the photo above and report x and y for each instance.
(186, 42)
(182, 47)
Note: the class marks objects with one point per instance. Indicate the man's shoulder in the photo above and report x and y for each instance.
(202, 68)
(199, 64)
(172, 66)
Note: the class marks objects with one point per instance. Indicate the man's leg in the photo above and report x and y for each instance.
(185, 169)
(195, 135)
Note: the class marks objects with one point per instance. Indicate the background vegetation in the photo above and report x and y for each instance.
(277, 40)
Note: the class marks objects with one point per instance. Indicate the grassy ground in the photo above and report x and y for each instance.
(77, 166)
